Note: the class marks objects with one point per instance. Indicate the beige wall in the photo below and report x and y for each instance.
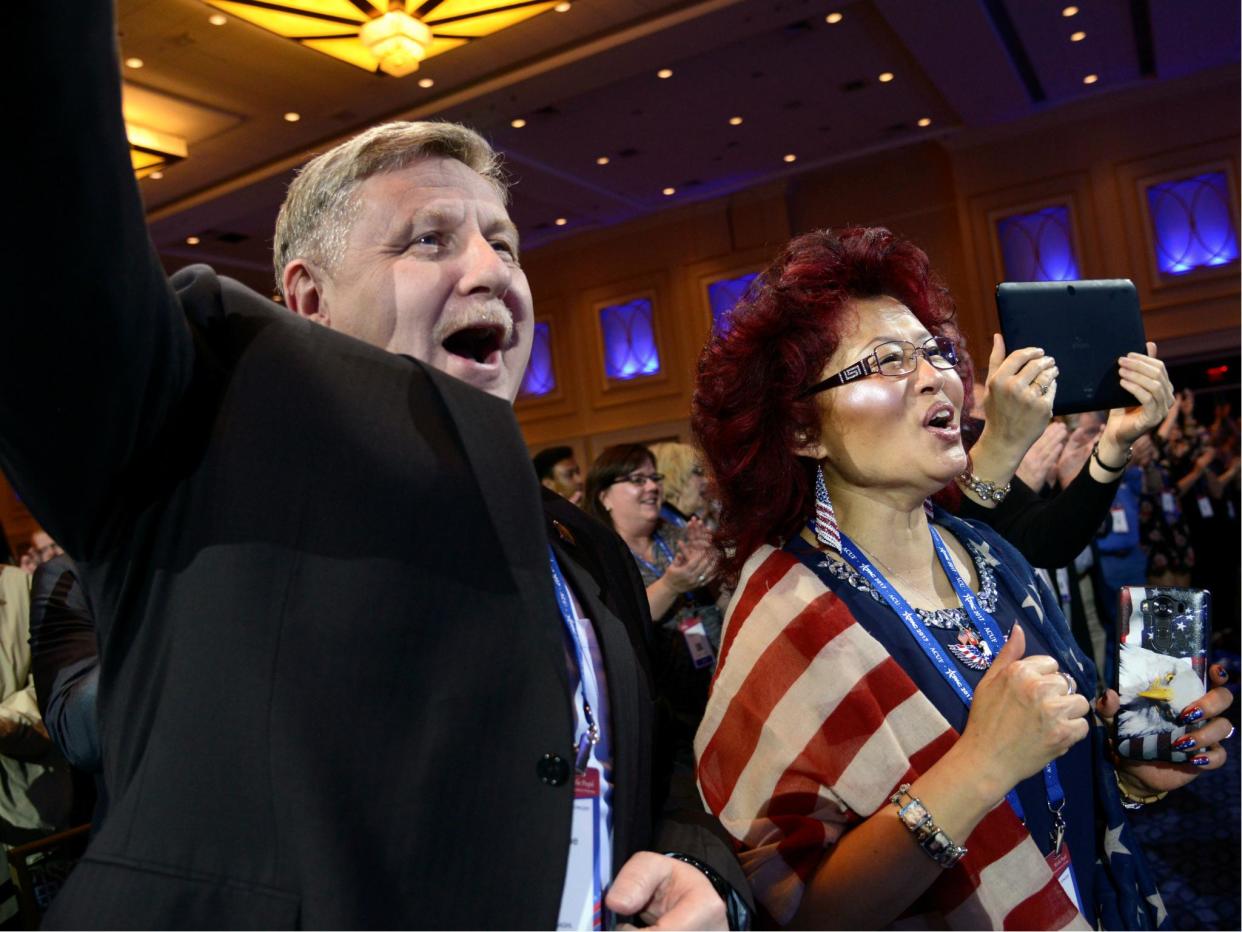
(942, 194)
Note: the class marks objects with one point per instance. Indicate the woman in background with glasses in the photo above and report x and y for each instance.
(679, 566)
(899, 728)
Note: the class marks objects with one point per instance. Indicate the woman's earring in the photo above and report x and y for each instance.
(826, 530)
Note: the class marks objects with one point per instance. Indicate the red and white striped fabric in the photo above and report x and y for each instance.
(811, 726)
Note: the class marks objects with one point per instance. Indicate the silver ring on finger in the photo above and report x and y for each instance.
(1071, 687)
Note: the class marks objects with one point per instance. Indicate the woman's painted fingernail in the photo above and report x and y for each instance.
(1201, 760)
(1222, 672)
(1185, 743)
(1191, 715)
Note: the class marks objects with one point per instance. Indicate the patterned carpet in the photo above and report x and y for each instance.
(1192, 842)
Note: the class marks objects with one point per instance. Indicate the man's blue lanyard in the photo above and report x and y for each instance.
(589, 685)
(935, 653)
(586, 669)
(658, 541)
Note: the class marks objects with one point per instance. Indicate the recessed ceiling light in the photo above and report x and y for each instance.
(833, 18)
(560, 221)
(791, 157)
(735, 121)
(133, 63)
(564, 7)
(1069, 11)
(192, 240)
(602, 160)
(217, 19)
(292, 117)
(518, 123)
(426, 82)
(1078, 36)
(925, 121)
(885, 77)
(669, 192)
(664, 73)
(156, 175)
(1090, 79)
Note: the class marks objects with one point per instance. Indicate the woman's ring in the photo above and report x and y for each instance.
(1043, 388)
(1070, 686)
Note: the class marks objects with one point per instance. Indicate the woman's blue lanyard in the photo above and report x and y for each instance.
(944, 666)
(650, 567)
(586, 669)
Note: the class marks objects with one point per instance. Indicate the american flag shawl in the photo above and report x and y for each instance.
(811, 726)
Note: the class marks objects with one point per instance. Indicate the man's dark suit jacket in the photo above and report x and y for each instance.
(332, 661)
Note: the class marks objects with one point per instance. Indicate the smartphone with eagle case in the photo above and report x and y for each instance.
(1161, 668)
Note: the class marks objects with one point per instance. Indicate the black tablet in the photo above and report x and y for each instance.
(1086, 326)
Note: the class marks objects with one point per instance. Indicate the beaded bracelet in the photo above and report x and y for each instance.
(918, 821)
(1130, 801)
(986, 490)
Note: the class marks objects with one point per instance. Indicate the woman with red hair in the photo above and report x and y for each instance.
(898, 729)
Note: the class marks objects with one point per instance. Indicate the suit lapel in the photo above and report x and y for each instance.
(501, 466)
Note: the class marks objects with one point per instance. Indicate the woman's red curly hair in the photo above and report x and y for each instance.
(747, 411)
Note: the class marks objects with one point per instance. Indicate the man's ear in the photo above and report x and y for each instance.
(304, 292)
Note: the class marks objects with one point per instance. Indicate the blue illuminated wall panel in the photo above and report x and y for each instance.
(1193, 223)
(1039, 246)
(723, 295)
(540, 376)
(630, 349)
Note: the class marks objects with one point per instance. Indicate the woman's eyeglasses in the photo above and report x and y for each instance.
(640, 478)
(897, 357)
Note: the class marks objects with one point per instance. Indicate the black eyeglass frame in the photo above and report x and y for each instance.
(946, 348)
(656, 477)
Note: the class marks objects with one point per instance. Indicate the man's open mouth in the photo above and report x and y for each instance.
(481, 343)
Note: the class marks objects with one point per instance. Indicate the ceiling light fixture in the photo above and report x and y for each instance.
(669, 192)
(925, 121)
(156, 175)
(217, 19)
(885, 77)
(1078, 36)
(602, 160)
(735, 121)
(563, 7)
(518, 123)
(395, 42)
(791, 157)
(1069, 11)
(426, 82)
(833, 18)
(292, 117)
(664, 73)
(561, 221)
(133, 63)
(1090, 79)
(151, 150)
(192, 240)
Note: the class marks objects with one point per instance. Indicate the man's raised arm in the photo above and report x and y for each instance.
(94, 352)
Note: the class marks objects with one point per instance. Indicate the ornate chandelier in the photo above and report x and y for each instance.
(383, 36)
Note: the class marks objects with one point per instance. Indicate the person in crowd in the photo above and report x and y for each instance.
(679, 568)
(685, 483)
(36, 788)
(344, 671)
(899, 728)
(1017, 432)
(557, 469)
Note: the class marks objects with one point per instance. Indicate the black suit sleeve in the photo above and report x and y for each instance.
(90, 322)
(1049, 532)
(64, 660)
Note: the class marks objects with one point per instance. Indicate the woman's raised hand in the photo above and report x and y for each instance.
(694, 565)
(1144, 377)
(1023, 716)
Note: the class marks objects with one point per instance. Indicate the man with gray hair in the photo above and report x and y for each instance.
(346, 680)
